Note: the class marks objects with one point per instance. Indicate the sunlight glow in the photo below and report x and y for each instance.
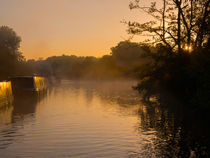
(188, 48)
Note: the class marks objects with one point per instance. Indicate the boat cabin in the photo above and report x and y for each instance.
(28, 84)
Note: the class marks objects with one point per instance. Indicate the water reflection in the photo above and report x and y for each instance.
(24, 106)
(6, 96)
(17, 115)
(180, 133)
(167, 129)
(99, 119)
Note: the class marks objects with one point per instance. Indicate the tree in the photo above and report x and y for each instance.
(176, 24)
(129, 58)
(183, 27)
(127, 53)
(10, 56)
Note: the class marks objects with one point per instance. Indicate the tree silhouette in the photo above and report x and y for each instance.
(178, 24)
(10, 55)
(179, 51)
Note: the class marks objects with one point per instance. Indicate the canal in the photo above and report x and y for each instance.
(97, 119)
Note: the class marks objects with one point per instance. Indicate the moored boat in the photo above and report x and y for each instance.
(28, 84)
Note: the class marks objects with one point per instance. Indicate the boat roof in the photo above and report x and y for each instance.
(21, 77)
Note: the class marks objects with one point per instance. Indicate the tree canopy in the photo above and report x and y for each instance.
(178, 24)
(127, 53)
(10, 54)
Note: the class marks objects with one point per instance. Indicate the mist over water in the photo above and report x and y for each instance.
(88, 119)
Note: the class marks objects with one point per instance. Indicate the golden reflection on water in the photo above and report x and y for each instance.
(74, 119)
(5, 93)
(87, 119)
(6, 114)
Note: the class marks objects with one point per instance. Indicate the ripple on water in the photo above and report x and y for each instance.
(82, 119)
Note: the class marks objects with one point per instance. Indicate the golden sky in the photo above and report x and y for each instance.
(78, 27)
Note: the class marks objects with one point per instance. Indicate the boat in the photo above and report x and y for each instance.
(28, 84)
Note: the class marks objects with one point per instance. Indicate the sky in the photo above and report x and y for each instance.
(70, 27)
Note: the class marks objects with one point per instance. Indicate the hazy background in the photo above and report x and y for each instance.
(56, 27)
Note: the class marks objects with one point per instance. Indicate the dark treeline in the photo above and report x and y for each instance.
(124, 61)
(181, 75)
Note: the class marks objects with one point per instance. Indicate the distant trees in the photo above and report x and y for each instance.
(10, 55)
(128, 57)
(70, 67)
(127, 53)
(75, 67)
(123, 62)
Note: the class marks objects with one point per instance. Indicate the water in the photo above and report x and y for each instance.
(93, 119)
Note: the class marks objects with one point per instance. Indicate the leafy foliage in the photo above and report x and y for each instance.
(179, 52)
(10, 56)
(183, 75)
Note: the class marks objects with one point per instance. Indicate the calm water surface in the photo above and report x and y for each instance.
(89, 119)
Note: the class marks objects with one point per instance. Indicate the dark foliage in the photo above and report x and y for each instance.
(10, 56)
(124, 62)
(185, 75)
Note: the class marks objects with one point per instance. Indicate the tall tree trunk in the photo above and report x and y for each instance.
(190, 28)
(179, 26)
(202, 27)
(164, 10)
